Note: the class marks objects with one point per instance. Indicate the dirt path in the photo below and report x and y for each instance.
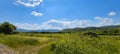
(6, 50)
(35, 50)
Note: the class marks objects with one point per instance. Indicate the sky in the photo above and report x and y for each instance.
(60, 14)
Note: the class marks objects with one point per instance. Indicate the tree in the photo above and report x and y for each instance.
(7, 28)
(91, 34)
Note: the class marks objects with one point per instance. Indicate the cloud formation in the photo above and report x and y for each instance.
(112, 13)
(55, 24)
(104, 21)
(67, 24)
(30, 3)
(37, 13)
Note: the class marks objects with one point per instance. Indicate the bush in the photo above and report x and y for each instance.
(31, 42)
(92, 34)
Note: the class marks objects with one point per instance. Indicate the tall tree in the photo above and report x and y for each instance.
(7, 28)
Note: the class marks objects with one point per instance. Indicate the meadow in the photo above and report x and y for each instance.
(65, 43)
(23, 44)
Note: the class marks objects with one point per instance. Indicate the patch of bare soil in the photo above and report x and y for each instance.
(6, 50)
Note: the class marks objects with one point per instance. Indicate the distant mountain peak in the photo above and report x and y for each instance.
(42, 30)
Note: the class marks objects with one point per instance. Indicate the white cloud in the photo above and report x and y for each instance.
(104, 21)
(67, 24)
(63, 24)
(117, 24)
(37, 13)
(112, 13)
(30, 3)
(55, 24)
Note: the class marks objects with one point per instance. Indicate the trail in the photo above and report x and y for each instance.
(36, 49)
(6, 50)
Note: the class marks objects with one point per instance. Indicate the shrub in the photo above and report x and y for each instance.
(31, 42)
(92, 34)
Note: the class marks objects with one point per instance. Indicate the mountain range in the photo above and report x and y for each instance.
(69, 29)
(42, 30)
(90, 28)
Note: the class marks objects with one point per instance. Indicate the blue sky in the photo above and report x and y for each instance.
(60, 14)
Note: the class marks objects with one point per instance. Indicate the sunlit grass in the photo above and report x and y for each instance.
(87, 45)
(23, 44)
(63, 43)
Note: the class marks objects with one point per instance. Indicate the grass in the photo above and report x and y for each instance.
(19, 41)
(87, 45)
(23, 44)
(46, 50)
(62, 43)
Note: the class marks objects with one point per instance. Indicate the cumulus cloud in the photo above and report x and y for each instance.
(112, 13)
(104, 21)
(55, 24)
(63, 24)
(67, 24)
(37, 13)
(30, 3)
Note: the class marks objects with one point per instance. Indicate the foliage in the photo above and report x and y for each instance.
(7, 28)
(67, 43)
(16, 41)
(91, 34)
(31, 42)
(87, 45)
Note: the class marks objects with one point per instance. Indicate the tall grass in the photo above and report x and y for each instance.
(23, 44)
(16, 42)
(66, 43)
(86, 45)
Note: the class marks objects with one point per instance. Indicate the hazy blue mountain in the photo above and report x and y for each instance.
(42, 30)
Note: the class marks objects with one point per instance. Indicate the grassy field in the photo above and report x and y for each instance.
(23, 44)
(61, 43)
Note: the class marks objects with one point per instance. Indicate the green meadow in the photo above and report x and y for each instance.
(65, 43)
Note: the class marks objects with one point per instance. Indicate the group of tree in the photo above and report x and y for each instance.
(7, 28)
(110, 31)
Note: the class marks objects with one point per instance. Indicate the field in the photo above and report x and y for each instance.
(65, 43)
